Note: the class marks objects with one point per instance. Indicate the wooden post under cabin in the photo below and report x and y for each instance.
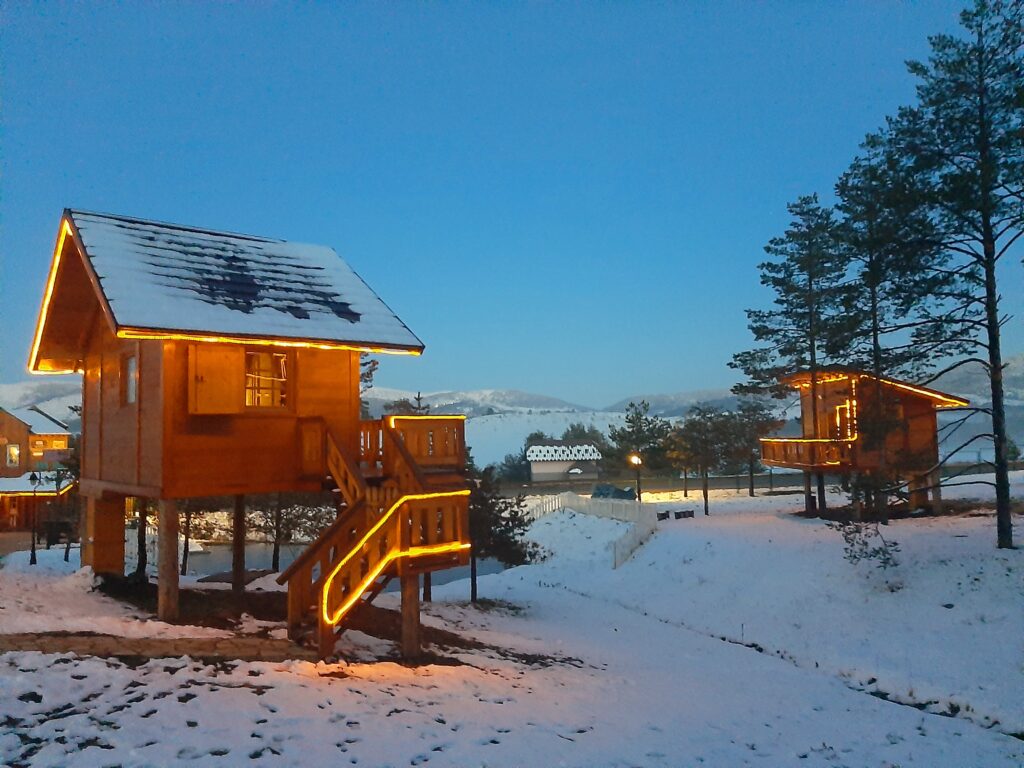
(103, 537)
(238, 546)
(936, 484)
(410, 616)
(167, 561)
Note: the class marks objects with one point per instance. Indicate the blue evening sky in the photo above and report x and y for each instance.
(566, 198)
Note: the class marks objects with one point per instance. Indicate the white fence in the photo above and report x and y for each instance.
(641, 517)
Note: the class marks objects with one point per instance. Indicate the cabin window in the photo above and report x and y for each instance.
(129, 379)
(266, 377)
(60, 443)
(13, 455)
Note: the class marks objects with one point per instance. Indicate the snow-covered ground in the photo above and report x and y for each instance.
(739, 639)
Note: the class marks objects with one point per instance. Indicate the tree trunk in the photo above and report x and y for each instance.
(275, 563)
(188, 534)
(808, 495)
(141, 557)
(1004, 525)
(427, 588)
(686, 483)
(238, 546)
(822, 506)
(771, 479)
(472, 576)
(704, 489)
(750, 474)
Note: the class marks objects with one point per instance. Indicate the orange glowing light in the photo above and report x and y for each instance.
(33, 357)
(67, 488)
(439, 417)
(947, 400)
(393, 555)
(148, 333)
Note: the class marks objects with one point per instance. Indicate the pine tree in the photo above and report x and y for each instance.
(643, 434)
(895, 314)
(807, 327)
(496, 526)
(700, 442)
(965, 139)
(367, 368)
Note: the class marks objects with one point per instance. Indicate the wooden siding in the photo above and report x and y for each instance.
(256, 450)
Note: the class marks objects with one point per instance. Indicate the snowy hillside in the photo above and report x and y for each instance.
(41, 389)
(478, 402)
(678, 403)
(492, 437)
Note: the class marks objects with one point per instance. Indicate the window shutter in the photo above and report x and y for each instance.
(216, 378)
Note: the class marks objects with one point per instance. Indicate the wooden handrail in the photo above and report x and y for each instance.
(400, 519)
(325, 539)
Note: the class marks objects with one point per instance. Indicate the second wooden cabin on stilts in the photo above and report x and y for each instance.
(224, 364)
(856, 423)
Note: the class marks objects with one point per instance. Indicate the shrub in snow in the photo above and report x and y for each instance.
(864, 541)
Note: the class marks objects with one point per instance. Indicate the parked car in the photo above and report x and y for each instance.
(609, 491)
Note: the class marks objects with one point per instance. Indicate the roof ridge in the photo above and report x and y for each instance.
(180, 227)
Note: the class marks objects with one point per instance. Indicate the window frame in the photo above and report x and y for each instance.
(129, 379)
(287, 388)
(15, 450)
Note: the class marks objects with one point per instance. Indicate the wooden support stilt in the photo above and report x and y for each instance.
(936, 484)
(238, 546)
(103, 535)
(410, 616)
(808, 496)
(167, 561)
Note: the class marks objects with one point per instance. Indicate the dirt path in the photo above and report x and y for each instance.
(240, 648)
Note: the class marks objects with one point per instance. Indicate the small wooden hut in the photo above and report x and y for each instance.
(224, 364)
(34, 443)
(832, 401)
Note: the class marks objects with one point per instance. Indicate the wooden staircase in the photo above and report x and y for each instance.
(404, 511)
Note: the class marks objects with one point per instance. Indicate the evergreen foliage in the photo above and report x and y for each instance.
(497, 525)
(807, 327)
(965, 139)
(642, 433)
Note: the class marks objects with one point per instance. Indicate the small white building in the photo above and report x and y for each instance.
(552, 460)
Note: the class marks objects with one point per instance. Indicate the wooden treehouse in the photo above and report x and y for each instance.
(224, 364)
(834, 441)
(33, 443)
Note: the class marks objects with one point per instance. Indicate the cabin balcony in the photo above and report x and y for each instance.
(807, 453)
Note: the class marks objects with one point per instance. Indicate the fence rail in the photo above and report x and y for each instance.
(641, 517)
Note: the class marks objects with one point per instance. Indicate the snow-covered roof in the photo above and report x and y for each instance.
(562, 450)
(22, 484)
(168, 279)
(39, 422)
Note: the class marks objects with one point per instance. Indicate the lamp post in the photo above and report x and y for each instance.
(636, 461)
(34, 479)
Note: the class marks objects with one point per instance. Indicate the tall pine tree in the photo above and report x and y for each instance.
(966, 138)
(807, 328)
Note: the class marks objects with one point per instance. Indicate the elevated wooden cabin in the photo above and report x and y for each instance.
(32, 441)
(224, 364)
(833, 440)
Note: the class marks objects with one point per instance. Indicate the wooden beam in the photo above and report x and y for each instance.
(167, 561)
(238, 546)
(410, 616)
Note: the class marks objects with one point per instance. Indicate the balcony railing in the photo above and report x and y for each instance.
(806, 452)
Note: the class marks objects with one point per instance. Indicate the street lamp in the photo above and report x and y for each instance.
(636, 461)
(34, 479)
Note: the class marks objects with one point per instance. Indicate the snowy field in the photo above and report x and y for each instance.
(739, 639)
